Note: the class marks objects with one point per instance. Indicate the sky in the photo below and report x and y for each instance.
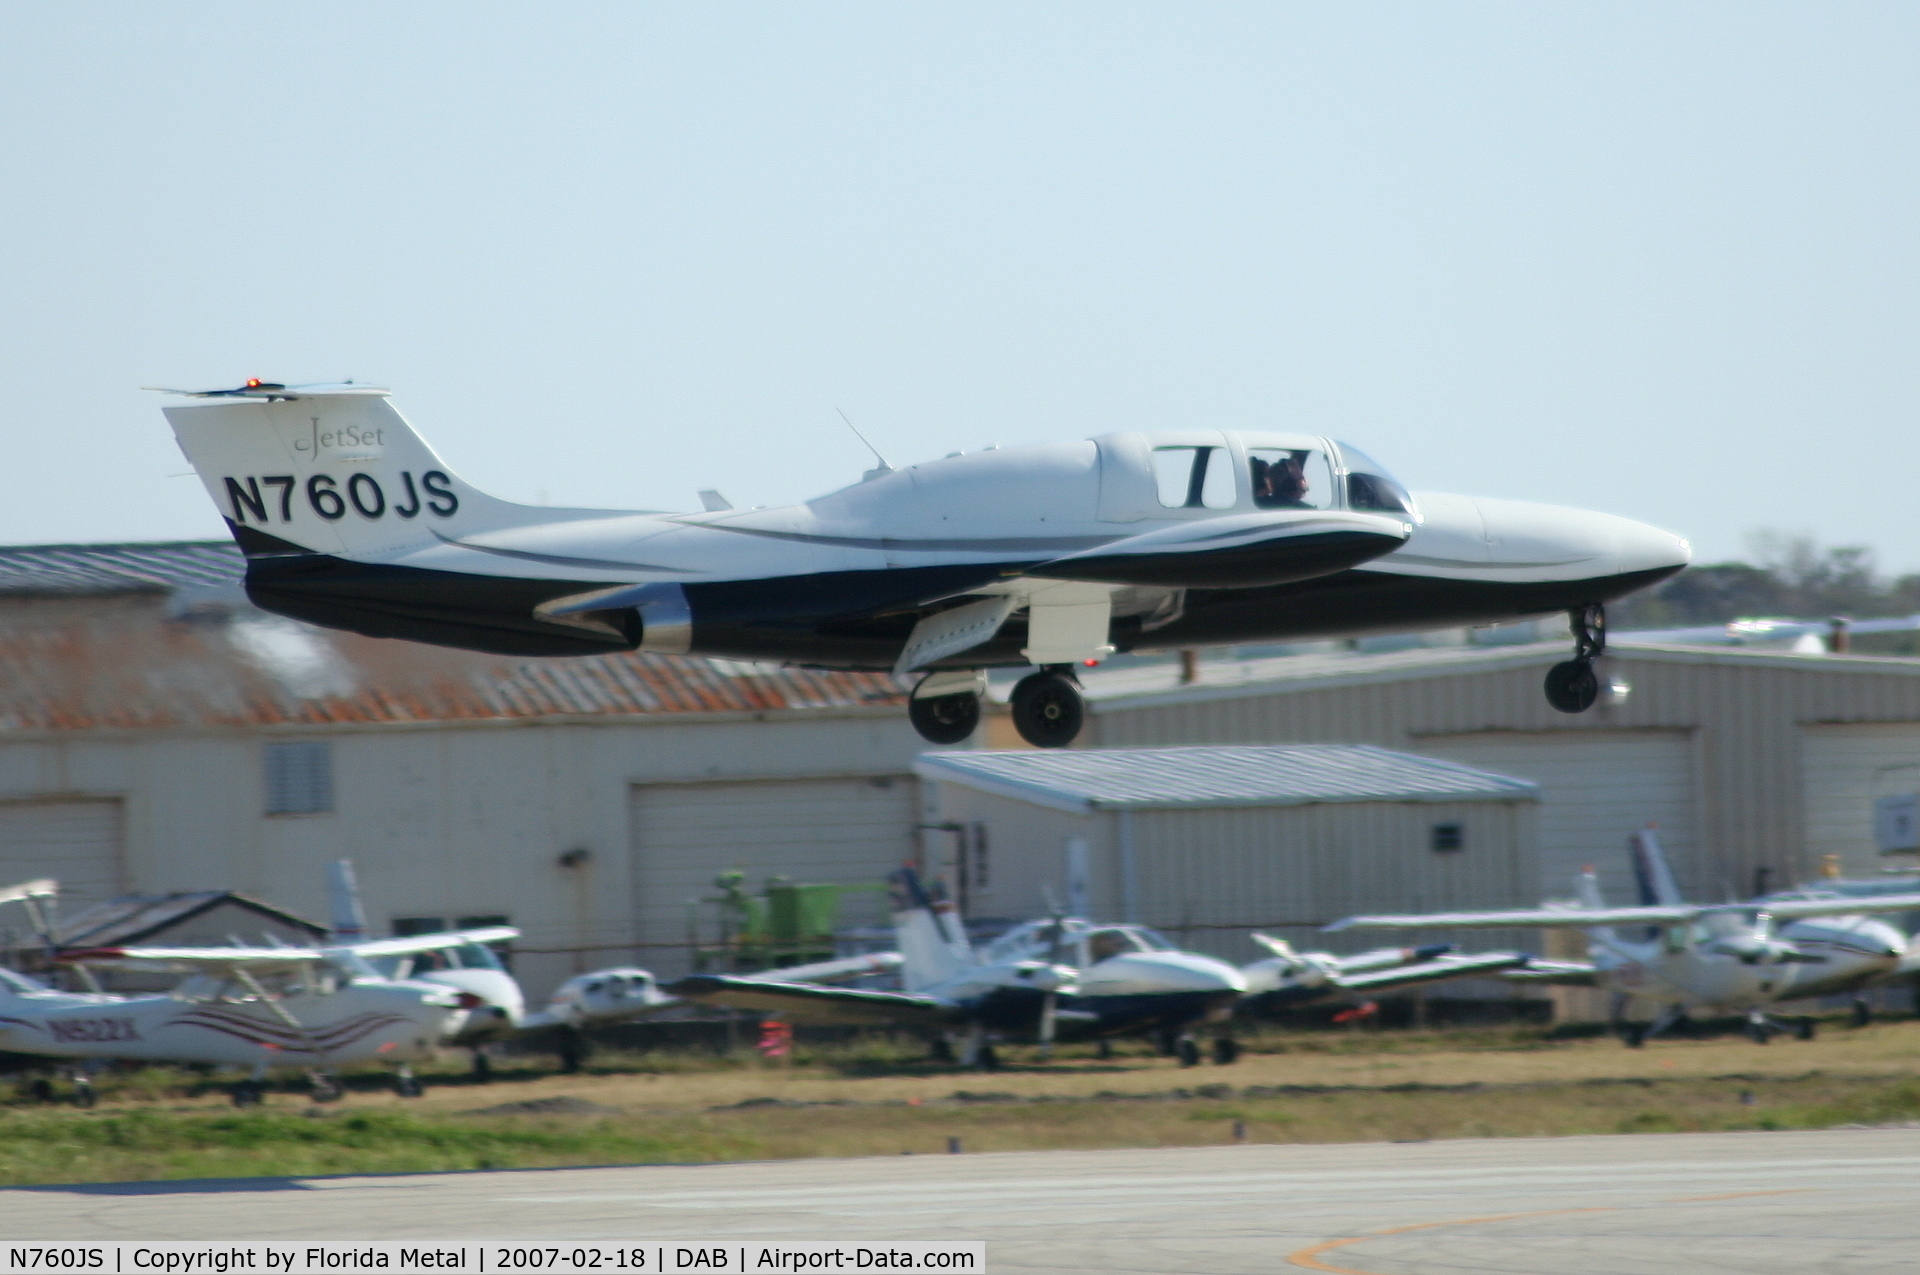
(1656, 260)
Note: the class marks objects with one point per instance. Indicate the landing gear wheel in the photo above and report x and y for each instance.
(1103, 1050)
(248, 1093)
(41, 1090)
(1759, 1033)
(945, 719)
(1805, 1029)
(1226, 1051)
(1862, 1013)
(1634, 1035)
(987, 1060)
(942, 1051)
(482, 1068)
(406, 1086)
(1047, 709)
(1189, 1052)
(83, 1095)
(326, 1089)
(1572, 686)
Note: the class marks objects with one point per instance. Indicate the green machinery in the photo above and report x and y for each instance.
(787, 923)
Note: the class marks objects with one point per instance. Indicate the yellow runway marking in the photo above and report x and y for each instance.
(1309, 1257)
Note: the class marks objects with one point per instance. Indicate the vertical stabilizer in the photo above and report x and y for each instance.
(343, 893)
(933, 947)
(1651, 870)
(332, 470)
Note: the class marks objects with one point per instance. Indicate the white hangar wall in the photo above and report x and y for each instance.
(455, 820)
(1206, 877)
(1754, 763)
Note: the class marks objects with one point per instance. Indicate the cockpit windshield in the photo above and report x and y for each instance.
(1370, 487)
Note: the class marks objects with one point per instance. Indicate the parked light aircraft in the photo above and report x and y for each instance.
(260, 1008)
(1288, 979)
(1729, 958)
(1022, 986)
(1052, 555)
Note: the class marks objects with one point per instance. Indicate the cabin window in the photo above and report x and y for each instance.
(1448, 837)
(1370, 487)
(1290, 478)
(1194, 477)
(299, 778)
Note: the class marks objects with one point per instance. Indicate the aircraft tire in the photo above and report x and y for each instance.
(407, 1087)
(1862, 1014)
(945, 719)
(1805, 1029)
(1226, 1051)
(1759, 1033)
(327, 1089)
(1103, 1050)
(83, 1095)
(1189, 1052)
(987, 1060)
(1047, 710)
(1571, 686)
(1634, 1035)
(482, 1068)
(247, 1093)
(41, 1090)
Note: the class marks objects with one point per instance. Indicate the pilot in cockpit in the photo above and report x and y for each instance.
(1280, 483)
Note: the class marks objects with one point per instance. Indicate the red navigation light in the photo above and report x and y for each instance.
(253, 382)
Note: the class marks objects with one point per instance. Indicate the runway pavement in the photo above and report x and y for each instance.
(1754, 1203)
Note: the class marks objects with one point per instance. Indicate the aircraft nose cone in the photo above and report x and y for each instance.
(1641, 547)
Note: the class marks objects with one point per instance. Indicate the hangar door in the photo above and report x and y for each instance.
(808, 830)
(1843, 769)
(77, 843)
(1596, 788)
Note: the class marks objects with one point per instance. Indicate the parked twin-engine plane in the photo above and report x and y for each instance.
(1053, 555)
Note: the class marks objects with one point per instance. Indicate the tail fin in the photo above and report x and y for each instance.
(349, 919)
(933, 949)
(334, 470)
(1651, 871)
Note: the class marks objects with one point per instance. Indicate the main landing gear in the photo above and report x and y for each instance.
(1047, 708)
(1572, 686)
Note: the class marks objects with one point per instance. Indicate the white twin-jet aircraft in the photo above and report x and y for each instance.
(1054, 555)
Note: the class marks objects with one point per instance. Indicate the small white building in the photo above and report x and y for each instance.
(1208, 844)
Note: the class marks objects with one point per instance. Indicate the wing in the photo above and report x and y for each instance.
(432, 942)
(830, 971)
(1528, 918)
(194, 960)
(42, 889)
(809, 1002)
(1797, 909)
(1562, 973)
(1435, 971)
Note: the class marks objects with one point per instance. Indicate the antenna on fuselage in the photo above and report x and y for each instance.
(883, 467)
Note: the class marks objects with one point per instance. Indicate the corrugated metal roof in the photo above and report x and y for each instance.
(92, 637)
(120, 568)
(1175, 778)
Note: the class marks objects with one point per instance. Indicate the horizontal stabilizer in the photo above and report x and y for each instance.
(810, 1003)
(1447, 967)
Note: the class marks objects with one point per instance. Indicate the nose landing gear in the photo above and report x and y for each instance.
(1047, 708)
(1572, 686)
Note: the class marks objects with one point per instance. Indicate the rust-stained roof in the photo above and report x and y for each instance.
(105, 650)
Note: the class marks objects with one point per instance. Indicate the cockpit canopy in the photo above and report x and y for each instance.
(1074, 942)
(468, 956)
(1196, 472)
